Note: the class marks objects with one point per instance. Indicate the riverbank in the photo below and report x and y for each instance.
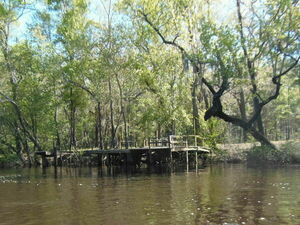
(9, 161)
(287, 152)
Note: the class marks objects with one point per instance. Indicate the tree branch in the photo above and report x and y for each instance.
(182, 50)
(82, 87)
(22, 121)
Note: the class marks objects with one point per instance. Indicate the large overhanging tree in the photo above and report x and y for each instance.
(260, 43)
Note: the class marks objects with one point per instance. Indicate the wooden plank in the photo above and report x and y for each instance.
(107, 151)
(190, 148)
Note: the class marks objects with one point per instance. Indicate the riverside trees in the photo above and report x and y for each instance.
(261, 44)
(151, 69)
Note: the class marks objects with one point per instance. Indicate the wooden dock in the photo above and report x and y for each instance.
(154, 151)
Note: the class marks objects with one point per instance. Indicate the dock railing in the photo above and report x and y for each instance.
(185, 141)
(156, 142)
(175, 142)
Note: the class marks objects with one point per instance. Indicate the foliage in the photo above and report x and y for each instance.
(261, 155)
(293, 150)
(9, 160)
(73, 81)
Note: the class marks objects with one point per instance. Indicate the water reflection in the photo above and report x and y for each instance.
(223, 194)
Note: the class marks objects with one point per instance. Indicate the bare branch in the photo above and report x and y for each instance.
(182, 50)
(287, 70)
(82, 87)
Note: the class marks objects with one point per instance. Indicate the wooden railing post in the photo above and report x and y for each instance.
(169, 141)
(187, 161)
(149, 157)
(196, 156)
(186, 142)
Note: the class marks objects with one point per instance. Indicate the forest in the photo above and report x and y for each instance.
(79, 74)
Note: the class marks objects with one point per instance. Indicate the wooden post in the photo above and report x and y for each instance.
(61, 159)
(44, 160)
(171, 158)
(99, 159)
(170, 147)
(196, 160)
(186, 142)
(187, 161)
(149, 154)
(90, 160)
(108, 160)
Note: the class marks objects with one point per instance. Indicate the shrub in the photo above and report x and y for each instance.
(293, 149)
(8, 160)
(263, 154)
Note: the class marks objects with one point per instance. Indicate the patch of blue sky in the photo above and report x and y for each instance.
(98, 12)
(100, 9)
(19, 29)
(222, 10)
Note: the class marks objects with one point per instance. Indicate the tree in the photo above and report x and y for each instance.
(235, 52)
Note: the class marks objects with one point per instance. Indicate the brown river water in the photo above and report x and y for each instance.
(218, 194)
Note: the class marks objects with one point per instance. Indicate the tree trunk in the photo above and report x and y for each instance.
(72, 121)
(123, 111)
(251, 72)
(216, 110)
(112, 143)
(99, 126)
(18, 143)
(196, 123)
(27, 151)
(96, 143)
(242, 107)
(259, 122)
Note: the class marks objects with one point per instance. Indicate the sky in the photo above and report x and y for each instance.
(98, 13)
(96, 8)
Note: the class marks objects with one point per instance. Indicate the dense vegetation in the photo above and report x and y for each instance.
(228, 72)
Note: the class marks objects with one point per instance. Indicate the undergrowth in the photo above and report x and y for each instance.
(287, 153)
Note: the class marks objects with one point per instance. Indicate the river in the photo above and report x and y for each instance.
(218, 194)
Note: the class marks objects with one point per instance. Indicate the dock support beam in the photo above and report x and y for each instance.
(44, 161)
(149, 155)
(196, 159)
(187, 161)
(171, 159)
(149, 158)
(99, 159)
(170, 147)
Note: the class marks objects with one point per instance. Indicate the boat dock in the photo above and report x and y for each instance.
(154, 151)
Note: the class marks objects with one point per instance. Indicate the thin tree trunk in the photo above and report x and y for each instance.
(18, 143)
(196, 123)
(242, 107)
(123, 111)
(99, 123)
(72, 121)
(112, 143)
(96, 143)
(27, 151)
(251, 72)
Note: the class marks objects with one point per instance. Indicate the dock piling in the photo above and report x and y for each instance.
(196, 159)
(187, 161)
